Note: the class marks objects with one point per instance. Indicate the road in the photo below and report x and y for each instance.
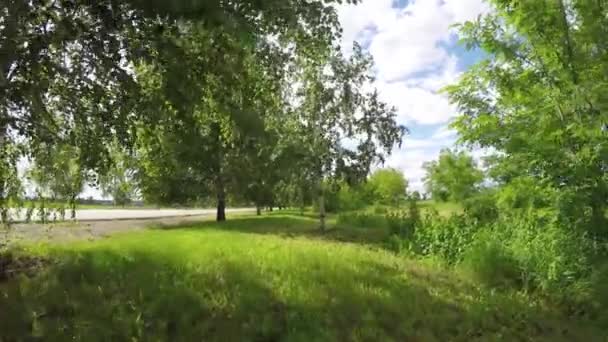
(133, 214)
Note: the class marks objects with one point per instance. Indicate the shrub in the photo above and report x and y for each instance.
(361, 220)
(349, 198)
(379, 209)
(482, 206)
(400, 224)
(489, 262)
(552, 257)
(446, 238)
(523, 193)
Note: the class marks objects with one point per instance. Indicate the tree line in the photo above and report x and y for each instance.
(185, 101)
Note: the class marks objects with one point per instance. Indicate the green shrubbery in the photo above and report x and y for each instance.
(361, 220)
(532, 250)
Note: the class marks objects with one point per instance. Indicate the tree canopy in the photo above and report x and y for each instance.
(454, 176)
(539, 98)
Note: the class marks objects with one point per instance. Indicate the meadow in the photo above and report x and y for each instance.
(270, 278)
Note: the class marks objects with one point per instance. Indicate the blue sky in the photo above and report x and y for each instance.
(416, 54)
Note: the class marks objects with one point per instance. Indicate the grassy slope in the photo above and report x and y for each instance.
(262, 279)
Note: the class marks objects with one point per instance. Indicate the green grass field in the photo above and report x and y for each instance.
(269, 278)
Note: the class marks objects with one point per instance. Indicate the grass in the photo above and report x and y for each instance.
(269, 278)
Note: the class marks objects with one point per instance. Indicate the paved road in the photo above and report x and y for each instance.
(128, 214)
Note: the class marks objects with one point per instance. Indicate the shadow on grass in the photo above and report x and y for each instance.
(286, 225)
(103, 295)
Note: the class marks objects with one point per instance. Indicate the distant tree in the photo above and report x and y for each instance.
(57, 172)
(119, 180)
(415, 195)
(454, 176)
(387, 186)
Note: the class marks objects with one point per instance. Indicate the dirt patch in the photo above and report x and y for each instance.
(12, 265)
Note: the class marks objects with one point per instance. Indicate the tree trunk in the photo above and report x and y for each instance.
(258, 210)
(302, 201)
(221, 191)
(321, 208)
(73, 207)
(221, 210)
(221, 200)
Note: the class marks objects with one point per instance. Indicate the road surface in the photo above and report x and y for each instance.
(96, 224)
(133, 214)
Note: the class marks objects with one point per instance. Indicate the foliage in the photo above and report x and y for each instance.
(361, 220)
(58, 174)
(524, 193)
(454, 176)
(404, 224)
(333, 105)
(387, 186)
(351, 198)
(538, 99)
(10, 183)
(119, 181)
(490, 263)
(444, 237)
(482, 206)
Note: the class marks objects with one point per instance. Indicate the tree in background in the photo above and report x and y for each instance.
(58, 174)
(387, 186)
(454, 176)
(118, 181)
(539, 99)
(66, 66)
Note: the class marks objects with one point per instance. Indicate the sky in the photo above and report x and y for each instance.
(416, 53)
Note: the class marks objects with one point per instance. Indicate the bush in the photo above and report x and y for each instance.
(349, 198)
(552, 257)
(446, 238)
(489, 262)
(523, 193)
(403, 224)
(379, 209)
(361, 220)
(482, 206)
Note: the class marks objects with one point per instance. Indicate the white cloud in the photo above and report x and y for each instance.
(412, 64)
(416, 104)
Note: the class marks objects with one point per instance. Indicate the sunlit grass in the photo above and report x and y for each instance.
(261, 279)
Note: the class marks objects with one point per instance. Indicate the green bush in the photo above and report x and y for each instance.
(523, 193)
(350, 198)
(530, 249)
(400, 224)
(361, 220)
(403, 224)
(552, 257)
(380, 209)
(446, 238)
(482, 206)
(489, 262)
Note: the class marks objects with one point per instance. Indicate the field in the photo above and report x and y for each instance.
(269, 278)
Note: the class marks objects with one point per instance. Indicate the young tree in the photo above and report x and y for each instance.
(454, 176)
(57, 172)
(333, 106)
(388, 186)
(539, 99)
(118, 181)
